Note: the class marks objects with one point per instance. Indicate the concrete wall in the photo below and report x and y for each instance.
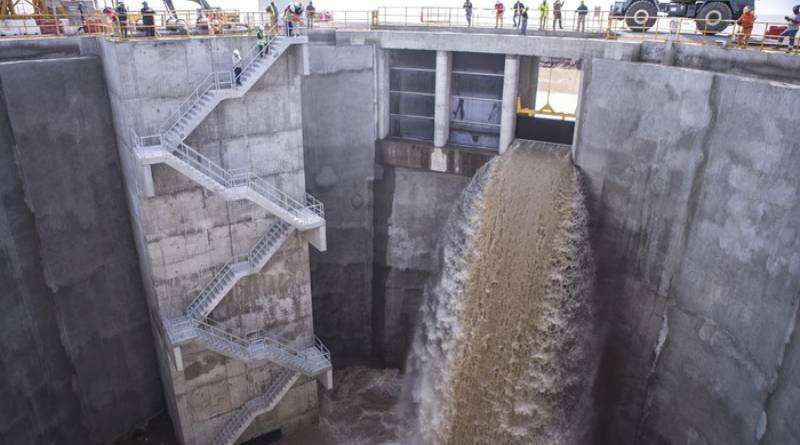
(692, 191)
(78, 361)
(339, 136)
(411, 208)
(185, 233)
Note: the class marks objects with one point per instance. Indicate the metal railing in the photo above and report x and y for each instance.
(254, 260)
(593, 21)
(241, 178)
(762, 36)
(181, 24)
(212, 82)
(313, 359)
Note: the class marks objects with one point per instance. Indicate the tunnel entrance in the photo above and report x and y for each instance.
(548, 99)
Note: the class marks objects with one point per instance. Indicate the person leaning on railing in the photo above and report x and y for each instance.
(517, 19)
(746, 22)
(791, 30)
(523, 21)
(583, 11)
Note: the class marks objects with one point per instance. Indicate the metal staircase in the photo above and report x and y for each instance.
(232, 184)
(241, 419)
(219, 86)
(259, 346)
(307, 216)
(237, 268)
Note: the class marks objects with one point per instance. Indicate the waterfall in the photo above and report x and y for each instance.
(505, 349)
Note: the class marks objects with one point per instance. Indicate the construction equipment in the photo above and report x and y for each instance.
(711, 16)
(207, 14)
(17, 8)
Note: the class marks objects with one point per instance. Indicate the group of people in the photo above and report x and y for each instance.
(292, 15)
(520, 17)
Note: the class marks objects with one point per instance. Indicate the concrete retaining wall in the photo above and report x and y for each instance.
(186, 233)
(78, 361)
(339, 135)
(692, 183)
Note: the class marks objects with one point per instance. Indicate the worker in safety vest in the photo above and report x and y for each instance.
(272, 10)
(261, 41)
(746, 22)
(544, 11)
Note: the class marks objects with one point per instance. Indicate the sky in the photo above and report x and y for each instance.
(763, 7)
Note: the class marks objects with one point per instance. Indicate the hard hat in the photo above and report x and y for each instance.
(260, 27)
(746, 9)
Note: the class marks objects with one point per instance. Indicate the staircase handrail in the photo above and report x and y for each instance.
(216, 79)
(260, 245)
(225, 334)
(239, 177)
(254, 52)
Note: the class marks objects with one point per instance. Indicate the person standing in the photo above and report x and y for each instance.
(82, 19)
(310, 11)
(122, 19)
(499, 9)
(523, 21)
(557, 5)
(261, 41)
(236, 60)
(287, 20)
(746, 22)
(518, 7)
(583, 11)
(468, 11)
(791, 30)
(148, 20)
(272, 10)
(544, 11)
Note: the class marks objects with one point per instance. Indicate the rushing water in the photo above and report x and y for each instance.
(504, 352)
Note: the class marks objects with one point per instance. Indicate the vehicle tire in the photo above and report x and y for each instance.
(641, 16)
(714, 18)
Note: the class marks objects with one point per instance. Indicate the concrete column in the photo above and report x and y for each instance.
(441, 115)
(508, 116)
(382, 88)
(528, 80)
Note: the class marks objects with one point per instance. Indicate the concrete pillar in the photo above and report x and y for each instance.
(441, 114)
(508, 116)
(528, 80)
(382, 88)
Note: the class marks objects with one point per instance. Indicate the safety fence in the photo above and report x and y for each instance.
(180, 24)
(595, 21)
(185, 24)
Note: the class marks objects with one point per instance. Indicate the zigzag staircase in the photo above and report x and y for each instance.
(239, 422)
(306, 216)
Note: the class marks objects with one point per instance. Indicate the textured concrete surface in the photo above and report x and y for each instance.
(185, 233)
(78, 364)
(693, 193)
(411, 208)
(339, 137)
(542, 46)
(765, 65)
